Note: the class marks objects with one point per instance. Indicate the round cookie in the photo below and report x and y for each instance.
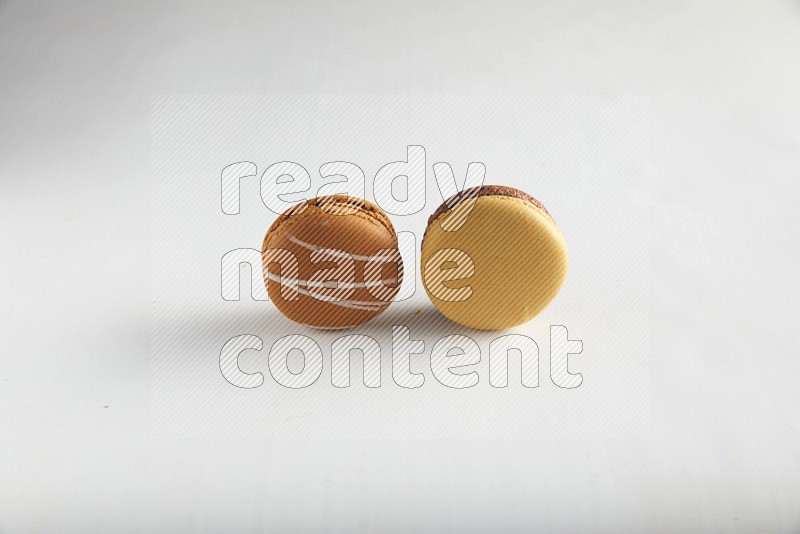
(492, 258)
(332, 262)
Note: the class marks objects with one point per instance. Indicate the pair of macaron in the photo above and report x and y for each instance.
(492, 258)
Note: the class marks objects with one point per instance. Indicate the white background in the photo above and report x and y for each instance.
(585, 157)
(721, 453)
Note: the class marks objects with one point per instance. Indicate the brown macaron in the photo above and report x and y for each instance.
(332, 262)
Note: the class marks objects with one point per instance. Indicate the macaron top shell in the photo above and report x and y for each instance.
(336, 205)
(519, 256)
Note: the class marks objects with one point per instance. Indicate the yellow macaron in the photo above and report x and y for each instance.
(492, 258)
